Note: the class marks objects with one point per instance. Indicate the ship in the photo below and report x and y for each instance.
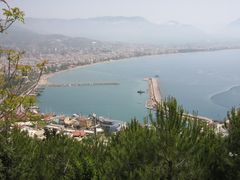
(140, 92)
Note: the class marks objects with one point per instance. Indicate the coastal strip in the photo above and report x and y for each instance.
(155, 96)
(44, 80)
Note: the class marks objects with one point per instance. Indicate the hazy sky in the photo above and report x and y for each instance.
(201, 13)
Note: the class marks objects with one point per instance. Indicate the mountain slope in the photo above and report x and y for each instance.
(125, 29)
(24, 39)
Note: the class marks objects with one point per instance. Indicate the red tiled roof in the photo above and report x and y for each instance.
(80, 133)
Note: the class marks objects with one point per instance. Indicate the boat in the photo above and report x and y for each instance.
(140, 92)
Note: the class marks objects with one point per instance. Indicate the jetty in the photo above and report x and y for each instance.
(155, 96)
(104, 83)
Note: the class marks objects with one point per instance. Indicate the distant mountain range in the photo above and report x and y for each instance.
(123, 29)
(77, 33)
(24, 39)
(232, 30)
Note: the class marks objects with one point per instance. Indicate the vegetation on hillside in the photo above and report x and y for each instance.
(16, 79)
(171, 146)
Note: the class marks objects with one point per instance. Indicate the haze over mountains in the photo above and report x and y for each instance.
(29, 41)
(124, 29)
(127, 29)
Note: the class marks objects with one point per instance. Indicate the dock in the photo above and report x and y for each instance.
(105, 83)
(155, 96)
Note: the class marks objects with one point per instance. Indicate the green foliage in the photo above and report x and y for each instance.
(17, 81)
(9, 15)
(233, 140)
(14, 14)
(233, 127)
(172, 146)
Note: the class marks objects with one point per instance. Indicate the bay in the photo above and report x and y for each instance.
(193, 78)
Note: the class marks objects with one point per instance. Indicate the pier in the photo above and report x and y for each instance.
(105, 83)
(155, 96)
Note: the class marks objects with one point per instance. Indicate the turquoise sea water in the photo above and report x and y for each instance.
(193, 78)
(228, 98)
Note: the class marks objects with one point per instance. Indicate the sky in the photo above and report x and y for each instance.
(206, 14)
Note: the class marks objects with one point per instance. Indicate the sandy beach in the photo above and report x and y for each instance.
(44, 78)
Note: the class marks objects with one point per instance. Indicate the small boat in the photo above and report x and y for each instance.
(140, 92)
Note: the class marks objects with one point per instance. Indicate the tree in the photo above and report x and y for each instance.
(232, 124)
(173, 146)
(9, 15)
(233, 127)
(17, 80)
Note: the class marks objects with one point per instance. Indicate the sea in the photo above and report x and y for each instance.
(206, 83)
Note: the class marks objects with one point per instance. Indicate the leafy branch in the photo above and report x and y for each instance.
(9, 16)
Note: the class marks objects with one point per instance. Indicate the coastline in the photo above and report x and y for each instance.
(44, 80)
(70, 68)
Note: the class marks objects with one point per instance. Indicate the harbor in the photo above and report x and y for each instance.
(156, 98)
(79, 126)
(191, 89)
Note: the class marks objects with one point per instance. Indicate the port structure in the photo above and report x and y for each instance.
(155, 96)
(104, 83)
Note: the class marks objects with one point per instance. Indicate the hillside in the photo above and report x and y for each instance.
(29, 41)
(124, 29)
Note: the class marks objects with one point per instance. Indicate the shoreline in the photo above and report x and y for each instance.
(44, 80)
(226, 92)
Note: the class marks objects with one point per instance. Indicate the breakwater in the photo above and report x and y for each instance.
(81, 84)
(155, 96)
